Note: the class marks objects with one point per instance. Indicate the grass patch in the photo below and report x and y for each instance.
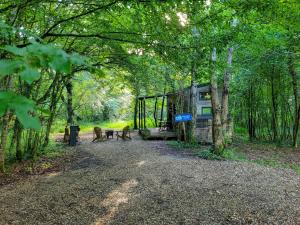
(207, 153)
(59, 126)
(53, 150)
(86, 126)
(276, 164)
(233, 154)
(228, 154)
(184, 146)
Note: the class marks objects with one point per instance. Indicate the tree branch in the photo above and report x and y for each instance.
(115, 39)
(76, 17)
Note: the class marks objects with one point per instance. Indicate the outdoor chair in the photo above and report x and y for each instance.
(125, 134)
(97, 135)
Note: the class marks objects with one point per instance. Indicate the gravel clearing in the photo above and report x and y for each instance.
(143, 182)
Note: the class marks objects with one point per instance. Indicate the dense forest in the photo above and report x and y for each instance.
(74, 61)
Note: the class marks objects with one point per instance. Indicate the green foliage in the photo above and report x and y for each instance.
(27, 62)
(53, 150)
(152, 51)
(23, 107)
(208, 154)
(181, 146)
(233, 154)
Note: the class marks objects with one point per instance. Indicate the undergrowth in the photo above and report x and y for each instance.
(276, 164)
(233, 154)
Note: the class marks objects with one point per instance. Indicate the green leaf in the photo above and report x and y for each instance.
(77, 59)
(15, 50)
(27, 120)
(23, 107)
(61, 63)
(29, 75)
(8, 67)
(2, 109)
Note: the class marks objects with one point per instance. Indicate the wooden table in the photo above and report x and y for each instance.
(109, 133)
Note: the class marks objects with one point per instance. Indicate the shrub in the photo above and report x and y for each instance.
(208, 154)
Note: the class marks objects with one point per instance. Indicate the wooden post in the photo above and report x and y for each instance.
(162, 110)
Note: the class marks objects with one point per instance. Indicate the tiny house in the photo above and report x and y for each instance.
(179, 102)
(203, 130)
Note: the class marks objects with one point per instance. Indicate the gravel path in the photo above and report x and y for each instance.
(139, 182)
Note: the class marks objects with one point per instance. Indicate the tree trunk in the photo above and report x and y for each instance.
(251, 119)
(292, 71)
(155, 112)
(274, 107)
(225, 94)
(144, 113)
(193, 109)
(70, 111)
(4, 134)
(218, 138)
(18, 135)
(55, 96)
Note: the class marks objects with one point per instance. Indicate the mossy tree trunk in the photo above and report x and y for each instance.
(218, 138)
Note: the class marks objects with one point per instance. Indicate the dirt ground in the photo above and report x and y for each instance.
(145, 182)
(255, 151)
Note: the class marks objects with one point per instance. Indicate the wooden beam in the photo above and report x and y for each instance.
(139, 102)
(155, 96)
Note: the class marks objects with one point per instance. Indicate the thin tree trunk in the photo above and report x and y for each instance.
(292, 71)
(274, 107)
(251, 116)
(144, 113)
(18, 135)
(4, 135)
(193, 109)
(155, 112)
(55, 96)
(70, 111)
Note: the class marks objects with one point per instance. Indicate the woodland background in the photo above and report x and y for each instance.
(87, 61)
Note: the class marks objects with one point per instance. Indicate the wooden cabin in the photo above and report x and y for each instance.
(179, 102)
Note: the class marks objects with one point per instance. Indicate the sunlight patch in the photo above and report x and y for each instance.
(114, 199)
(139, 164)
(54, 174)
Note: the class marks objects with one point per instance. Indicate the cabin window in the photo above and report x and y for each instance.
(206, 111)
(204, 96)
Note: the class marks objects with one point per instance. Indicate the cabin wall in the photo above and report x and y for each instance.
(203, 131)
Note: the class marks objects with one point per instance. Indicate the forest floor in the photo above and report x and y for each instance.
(266, 152)
(148, 182)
